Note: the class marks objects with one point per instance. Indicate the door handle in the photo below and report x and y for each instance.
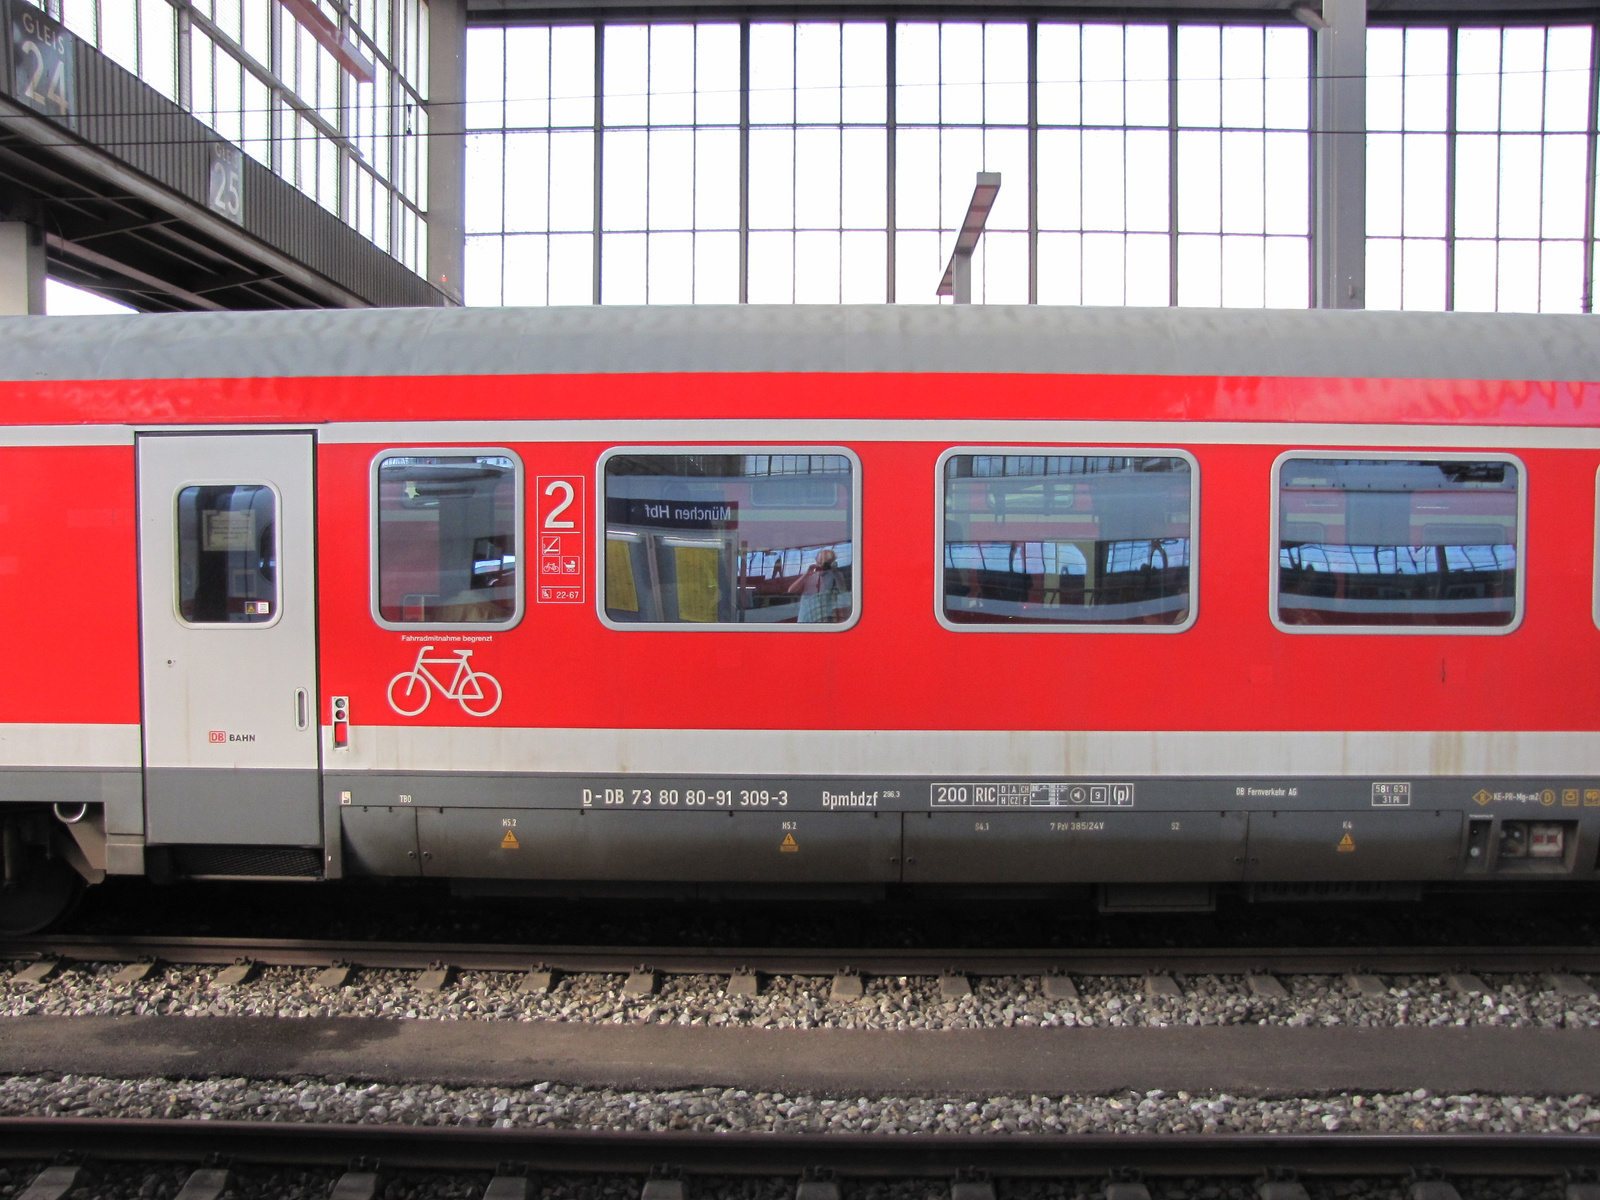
(302, 709)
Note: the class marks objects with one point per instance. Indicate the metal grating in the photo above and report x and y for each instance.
(253, 862)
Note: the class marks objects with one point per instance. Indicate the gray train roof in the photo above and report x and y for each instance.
(759, 338)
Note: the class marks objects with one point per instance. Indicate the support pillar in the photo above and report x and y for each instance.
(1339, 176)
(961, 277)
(22, 270)
(447, 145)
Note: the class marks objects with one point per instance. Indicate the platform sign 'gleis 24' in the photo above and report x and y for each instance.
(43, 74)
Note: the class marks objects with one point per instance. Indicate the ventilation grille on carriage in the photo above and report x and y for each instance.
(291, 862)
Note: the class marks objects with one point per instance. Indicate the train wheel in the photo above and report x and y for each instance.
(41, 892)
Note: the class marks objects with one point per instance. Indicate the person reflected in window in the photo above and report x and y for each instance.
(820, 589)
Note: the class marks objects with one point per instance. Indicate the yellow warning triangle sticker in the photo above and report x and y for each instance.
(789, 845)
(1346, 843)
(509, 842)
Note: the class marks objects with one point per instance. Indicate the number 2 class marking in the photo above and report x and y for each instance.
(550, 521)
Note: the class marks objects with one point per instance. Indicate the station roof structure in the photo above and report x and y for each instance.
(502, 12)
(138, 199)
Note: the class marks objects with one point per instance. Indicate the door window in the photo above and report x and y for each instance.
(227, 554)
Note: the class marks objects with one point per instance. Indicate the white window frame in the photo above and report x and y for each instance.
(728, 626)
(1057, 450)
(1366, 454)
(375, 563)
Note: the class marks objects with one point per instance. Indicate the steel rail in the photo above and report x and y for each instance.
(680, 960)
(851, 1154)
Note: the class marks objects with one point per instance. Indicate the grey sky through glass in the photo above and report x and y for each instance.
(1143, 163)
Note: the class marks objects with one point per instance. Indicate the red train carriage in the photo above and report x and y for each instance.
(761, 598)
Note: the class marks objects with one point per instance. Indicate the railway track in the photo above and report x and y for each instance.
(678, 1160)
(680, 960)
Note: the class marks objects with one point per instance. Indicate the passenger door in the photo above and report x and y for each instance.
(227, 609)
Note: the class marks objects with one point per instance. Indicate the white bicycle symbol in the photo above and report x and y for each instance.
(478, 692)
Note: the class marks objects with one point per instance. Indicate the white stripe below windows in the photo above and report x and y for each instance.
(964, 753)
(69, 745)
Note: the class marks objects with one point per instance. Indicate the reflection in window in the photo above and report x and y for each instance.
(227, 554)
(1399, 543)
(447, 550)
(748, 539)
(1067, 539)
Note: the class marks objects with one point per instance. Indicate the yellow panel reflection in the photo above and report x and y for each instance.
(621, 592)
(698, 592)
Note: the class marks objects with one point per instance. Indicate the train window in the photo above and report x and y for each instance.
(1397, 543)
(228, 554)
(445, 526)
(1068, 541)
(761, 539)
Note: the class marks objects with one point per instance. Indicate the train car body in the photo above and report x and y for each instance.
(756, 598)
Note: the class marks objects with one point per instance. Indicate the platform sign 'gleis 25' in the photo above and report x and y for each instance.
(42, 64)
(559, 549)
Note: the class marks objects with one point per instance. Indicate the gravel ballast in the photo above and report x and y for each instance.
(906, 1002)
(712, 1110)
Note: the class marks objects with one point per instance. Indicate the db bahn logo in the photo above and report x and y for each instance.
(222, 737)
(478, 692)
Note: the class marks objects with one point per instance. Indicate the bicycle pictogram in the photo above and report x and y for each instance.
(478, 692)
